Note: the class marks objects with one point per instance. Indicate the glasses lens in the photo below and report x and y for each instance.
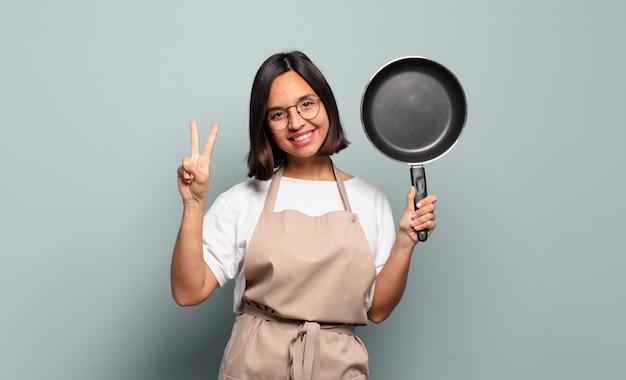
(277, 119)
(309, 107)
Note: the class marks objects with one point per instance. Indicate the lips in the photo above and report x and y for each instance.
(302, 139)
(301, 136)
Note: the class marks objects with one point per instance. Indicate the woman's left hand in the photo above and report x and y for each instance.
(416, 220)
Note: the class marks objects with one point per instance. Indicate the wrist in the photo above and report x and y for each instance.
(405, 244)
(194, 206)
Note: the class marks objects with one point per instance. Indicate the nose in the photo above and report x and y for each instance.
(294, 120)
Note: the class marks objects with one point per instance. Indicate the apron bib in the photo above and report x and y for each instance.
(306, 283)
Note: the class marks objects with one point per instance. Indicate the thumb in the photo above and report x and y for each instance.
(188, 167)
(410, 199)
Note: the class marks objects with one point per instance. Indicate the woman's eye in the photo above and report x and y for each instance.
(308, 104)
(277, 115)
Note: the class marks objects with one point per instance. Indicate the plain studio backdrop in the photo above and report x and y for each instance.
(524, 278)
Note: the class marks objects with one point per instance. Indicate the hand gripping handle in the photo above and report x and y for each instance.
(418, 179)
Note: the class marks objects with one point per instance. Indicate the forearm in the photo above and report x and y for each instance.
(191, 279)
(391, 281)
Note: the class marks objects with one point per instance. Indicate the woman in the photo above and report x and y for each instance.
(313, 250)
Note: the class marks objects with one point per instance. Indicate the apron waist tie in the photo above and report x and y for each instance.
(304, 350)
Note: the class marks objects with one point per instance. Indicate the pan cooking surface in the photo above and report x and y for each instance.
(413, 110)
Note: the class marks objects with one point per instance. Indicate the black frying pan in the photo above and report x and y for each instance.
(413, 110)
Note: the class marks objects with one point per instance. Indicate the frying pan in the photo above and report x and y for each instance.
(413, 110)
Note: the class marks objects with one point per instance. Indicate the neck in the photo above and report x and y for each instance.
(314, 169)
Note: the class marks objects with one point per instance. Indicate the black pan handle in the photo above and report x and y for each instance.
(418, 179)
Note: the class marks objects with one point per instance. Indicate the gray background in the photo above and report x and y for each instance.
(523, 279)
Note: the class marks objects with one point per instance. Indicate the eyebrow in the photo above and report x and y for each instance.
(299, 99)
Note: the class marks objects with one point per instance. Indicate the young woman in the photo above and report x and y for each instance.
(313, 250)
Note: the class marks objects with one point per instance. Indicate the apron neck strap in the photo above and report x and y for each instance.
(342, 188)
(272, 192)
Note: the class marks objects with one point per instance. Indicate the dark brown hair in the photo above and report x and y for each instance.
(264, 155)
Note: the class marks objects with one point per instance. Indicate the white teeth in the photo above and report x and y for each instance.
(303, 137)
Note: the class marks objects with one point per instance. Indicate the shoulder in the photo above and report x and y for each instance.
(363, 186)
(366, 197)
(242, 197)
(245, 188)
(250, 188)
(359, 184)
(345, 176)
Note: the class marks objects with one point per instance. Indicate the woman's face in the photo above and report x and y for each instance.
(301, 138)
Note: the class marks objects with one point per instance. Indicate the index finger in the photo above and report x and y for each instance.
(195, 140)
(429, 199)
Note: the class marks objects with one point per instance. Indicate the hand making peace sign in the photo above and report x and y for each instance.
(194, 173)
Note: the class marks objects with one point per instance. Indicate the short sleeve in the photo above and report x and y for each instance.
(220, 241)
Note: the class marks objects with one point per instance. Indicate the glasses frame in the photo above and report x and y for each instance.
(287, 118)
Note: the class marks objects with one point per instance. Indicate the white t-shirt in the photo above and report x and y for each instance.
(232, 218)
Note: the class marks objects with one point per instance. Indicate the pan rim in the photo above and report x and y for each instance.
(430, 62)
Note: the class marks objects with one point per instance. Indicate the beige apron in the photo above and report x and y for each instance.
(306, 283)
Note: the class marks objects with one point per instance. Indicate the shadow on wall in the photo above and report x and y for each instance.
(190, 342)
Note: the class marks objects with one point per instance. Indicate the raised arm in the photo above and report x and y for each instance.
(391, 281)
(191, 279)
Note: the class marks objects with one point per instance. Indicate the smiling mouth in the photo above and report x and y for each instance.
(302, 137)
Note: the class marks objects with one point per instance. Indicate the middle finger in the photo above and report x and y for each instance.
(210, 141)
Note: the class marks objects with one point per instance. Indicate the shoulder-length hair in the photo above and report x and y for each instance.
(265, 156)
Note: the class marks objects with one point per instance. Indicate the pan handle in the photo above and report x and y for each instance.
(418, 179)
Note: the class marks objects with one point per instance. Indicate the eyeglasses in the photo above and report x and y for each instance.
(308, 108)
